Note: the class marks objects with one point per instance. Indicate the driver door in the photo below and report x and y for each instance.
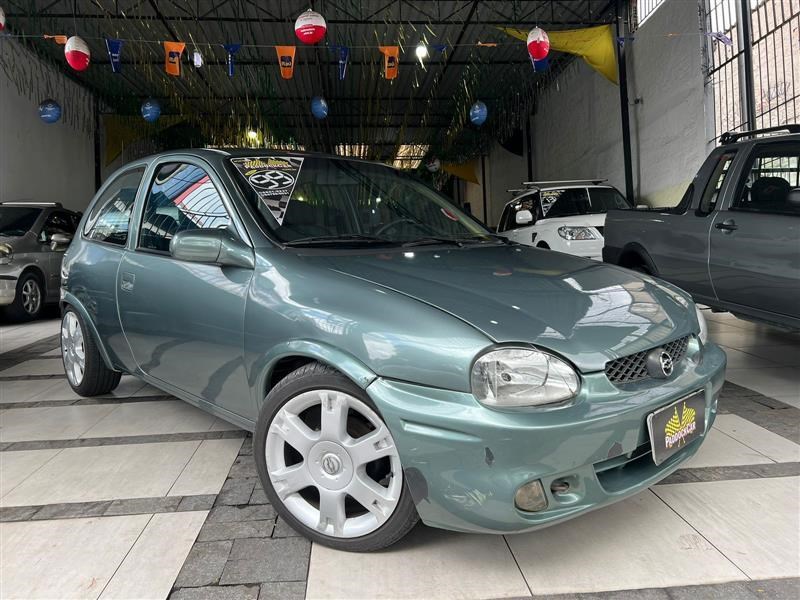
(184, 320)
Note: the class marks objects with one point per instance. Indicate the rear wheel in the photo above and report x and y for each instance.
(29, 300)
(86, 371)
(543, 246)
(329, 464)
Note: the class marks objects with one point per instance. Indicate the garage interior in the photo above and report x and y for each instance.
(137, 494)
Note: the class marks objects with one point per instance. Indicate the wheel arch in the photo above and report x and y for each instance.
(634, 254)
(69, 300)
(39, 273)
(285, 358)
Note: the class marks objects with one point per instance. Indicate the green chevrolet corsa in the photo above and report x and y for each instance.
(394, 360)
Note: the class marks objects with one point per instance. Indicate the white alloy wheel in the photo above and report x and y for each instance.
(333, 463)
(73, 349)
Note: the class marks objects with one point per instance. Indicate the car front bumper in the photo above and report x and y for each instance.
(585, 248)
(8, 288)
(463, 462)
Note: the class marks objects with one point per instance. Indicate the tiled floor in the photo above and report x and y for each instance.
(138, 495)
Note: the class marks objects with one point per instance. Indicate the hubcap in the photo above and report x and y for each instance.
(333, 463)
(31, 297)
(73, 351)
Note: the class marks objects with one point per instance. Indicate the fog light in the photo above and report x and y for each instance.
(530, 497)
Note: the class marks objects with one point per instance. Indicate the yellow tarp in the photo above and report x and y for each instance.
(465, 171)
(594, 44)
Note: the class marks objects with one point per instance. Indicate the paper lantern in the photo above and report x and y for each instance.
(77, 53)
(538, 43)
(151, 110)
(434, 165)
(319, 108)
(478, 113)
(2, 19)
(310, 27)
(49, 111)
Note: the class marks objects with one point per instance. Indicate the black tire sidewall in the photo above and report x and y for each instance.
(17, 309)
(97, 379)
(398, 524)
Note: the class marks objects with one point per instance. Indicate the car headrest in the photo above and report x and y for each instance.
(769, 190)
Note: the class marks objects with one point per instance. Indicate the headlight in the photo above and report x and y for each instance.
(6, 254)
(576, 233)
(703, 335)
(522, 377)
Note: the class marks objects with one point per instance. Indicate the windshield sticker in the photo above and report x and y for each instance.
(273, 178)
(548, 199)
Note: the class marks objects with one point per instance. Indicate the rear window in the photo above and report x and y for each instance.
(16, 221)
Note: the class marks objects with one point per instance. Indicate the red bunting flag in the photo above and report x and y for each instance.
(172, 57)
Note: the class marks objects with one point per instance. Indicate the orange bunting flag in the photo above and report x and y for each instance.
(286, 60)
(172, 57)
(58, 39)
(391, 61)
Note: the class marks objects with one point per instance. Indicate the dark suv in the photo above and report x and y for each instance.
(733, 241)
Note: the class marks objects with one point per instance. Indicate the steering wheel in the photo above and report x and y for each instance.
(396, 222)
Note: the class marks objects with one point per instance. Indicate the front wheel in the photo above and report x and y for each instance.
(29, 299)
(86, 371)
(329, 464)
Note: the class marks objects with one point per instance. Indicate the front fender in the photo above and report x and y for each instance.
(70, 300)
(350, 366)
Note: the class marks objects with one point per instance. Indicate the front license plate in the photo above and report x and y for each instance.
(673, 427)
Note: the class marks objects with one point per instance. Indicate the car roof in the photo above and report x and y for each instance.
(547, 188)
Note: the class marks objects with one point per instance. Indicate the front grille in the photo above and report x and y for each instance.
(600, 230)
(633, 367)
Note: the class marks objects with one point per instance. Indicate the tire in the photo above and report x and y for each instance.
(331, 470)
(543, 246)
(87, 375)
(29, 298)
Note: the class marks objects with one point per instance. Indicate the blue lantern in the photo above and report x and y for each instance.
(49, 111)
(151, 110)
(319, 108)
(478, 113)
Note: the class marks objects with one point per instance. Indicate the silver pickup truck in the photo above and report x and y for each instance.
(733, 241)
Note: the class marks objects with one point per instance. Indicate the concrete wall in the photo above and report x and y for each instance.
(49, 163)
(577, 123)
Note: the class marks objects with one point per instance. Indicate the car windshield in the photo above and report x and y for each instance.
(570, 202)
(16, 221)
(327, 201)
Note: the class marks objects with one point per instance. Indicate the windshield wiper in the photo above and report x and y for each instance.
(321, 240)
(432, 241)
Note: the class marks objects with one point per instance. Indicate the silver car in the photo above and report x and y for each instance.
(33, 238)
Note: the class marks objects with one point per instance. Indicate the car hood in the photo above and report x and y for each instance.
(587, 312)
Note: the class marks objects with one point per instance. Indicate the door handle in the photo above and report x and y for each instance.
(727, 226)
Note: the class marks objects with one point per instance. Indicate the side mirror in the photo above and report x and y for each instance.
(523, 217)
(214, 246)
(60, 240)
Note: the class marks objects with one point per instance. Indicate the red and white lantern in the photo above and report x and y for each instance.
(77, 53)
(2, 19)
(310, 27)
(538, 44)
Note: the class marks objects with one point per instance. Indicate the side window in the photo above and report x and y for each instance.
(772, 184)
(711, 194)
(525, 203)
(111, 215)
(58, 222)
(181, 197)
